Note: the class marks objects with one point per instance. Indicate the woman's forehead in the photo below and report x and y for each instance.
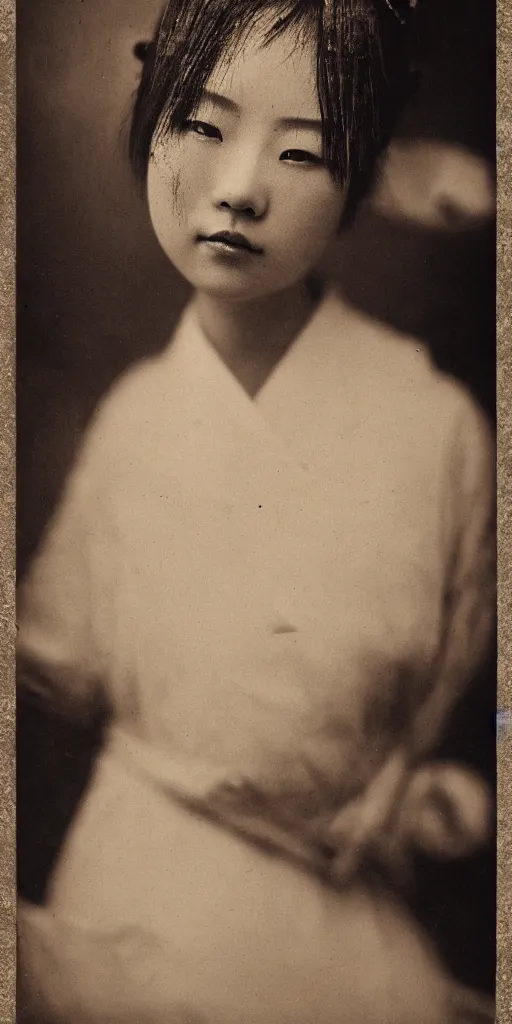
(277, 75)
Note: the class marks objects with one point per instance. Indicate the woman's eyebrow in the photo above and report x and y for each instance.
(309, 123)
(221, 101)
(225, 103)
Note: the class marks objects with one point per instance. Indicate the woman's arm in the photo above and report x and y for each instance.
(441, 808)
(63, 599)
(469, 614)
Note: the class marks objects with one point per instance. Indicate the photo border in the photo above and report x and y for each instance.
(504, 410)
(7, 510)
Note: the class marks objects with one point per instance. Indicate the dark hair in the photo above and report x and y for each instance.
(362, 73)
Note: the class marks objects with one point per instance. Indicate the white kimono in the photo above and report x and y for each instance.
(279, 599)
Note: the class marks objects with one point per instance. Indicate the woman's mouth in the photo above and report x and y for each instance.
(230, 242)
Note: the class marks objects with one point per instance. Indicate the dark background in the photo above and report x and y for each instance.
(95, 293)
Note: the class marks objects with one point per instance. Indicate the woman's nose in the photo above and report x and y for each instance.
(241, 189)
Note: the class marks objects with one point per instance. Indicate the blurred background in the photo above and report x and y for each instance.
(95, 294)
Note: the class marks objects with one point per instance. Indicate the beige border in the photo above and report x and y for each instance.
(7, 435)
(504, 1008)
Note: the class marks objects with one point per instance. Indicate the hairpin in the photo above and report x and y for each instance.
(330, 25)
(330, 18)
(411, 3)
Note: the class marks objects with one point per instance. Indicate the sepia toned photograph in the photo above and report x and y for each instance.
(256, 512)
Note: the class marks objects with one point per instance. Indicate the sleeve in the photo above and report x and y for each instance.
(63, 600)
(444, 809)
(469, 613)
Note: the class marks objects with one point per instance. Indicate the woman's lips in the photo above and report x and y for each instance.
(230, 241)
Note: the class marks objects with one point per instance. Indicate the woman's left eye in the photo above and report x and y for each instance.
(300, 156)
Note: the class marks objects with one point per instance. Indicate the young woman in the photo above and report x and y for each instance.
(273, 563)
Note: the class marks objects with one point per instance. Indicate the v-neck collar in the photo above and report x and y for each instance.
(308, 332)
(297, 410)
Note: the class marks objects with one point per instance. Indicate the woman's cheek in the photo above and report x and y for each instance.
(316, 222)
(165, 206)
(166, 193)
(330, 203)
(321, 202)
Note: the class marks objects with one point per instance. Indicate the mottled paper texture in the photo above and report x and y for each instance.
(504, 981)
(7, 434)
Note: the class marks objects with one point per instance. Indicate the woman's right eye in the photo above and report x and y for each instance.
(202, 128)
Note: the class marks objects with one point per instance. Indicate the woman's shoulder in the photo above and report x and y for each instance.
(397, 371)
(133, 402)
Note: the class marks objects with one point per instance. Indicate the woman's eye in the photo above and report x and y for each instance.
(300, 156)
(202, 128)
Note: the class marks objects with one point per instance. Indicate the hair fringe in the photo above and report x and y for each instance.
(363, 73)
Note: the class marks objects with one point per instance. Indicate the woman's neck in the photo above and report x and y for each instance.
(251, 337)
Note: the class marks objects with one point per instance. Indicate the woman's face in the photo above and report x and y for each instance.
(250, 162)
